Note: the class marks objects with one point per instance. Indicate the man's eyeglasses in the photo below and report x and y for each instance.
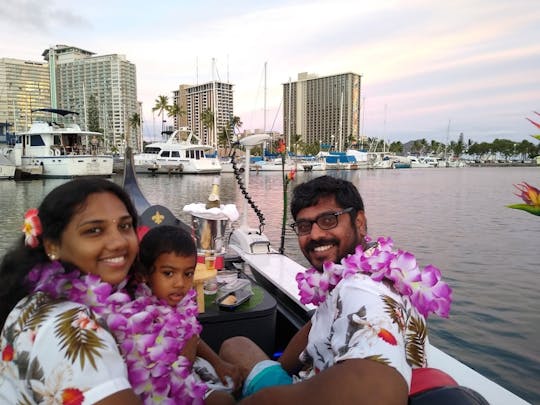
(325, 221)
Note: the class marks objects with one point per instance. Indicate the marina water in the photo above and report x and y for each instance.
(453, 218)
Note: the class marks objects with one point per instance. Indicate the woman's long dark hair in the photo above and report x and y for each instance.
(55, 213)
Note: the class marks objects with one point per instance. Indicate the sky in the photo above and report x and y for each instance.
(430, 69)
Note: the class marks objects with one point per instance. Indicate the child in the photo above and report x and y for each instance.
(168, 257)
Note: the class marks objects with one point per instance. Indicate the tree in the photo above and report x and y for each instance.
(236, 123)
(296, 142)
(207, 119)
(93, 114)
(135, 123)
(161, 106)
(225, 135)
(396, 147)
(174, 110)
(312, 148)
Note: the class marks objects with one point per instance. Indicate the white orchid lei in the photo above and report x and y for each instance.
(427, 292)
(151, 333)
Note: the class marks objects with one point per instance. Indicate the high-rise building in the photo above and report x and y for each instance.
(24, 86)
(180, 99)
(324, 110)
(216, 97)
(101, 88)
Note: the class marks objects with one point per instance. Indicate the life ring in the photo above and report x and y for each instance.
(57, 152)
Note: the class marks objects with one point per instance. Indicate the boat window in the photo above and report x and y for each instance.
(165, 153)
(152, 150)
(56, 140)
(175, 154)
(36, 140)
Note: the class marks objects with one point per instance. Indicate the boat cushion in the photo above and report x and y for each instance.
(427, 378)
(455, 395)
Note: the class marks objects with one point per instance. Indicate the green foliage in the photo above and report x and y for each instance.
(396, 147)
(525, 207)
(93, 114)
(161, 106)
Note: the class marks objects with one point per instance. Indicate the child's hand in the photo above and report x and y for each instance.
(224, 369)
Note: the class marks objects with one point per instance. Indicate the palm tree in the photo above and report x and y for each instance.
(135, 123)
(174, 110)
(207, 119)
(226, 132)
(162, 105)
(236, 123)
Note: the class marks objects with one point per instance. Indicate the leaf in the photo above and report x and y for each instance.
(415, 342)
(525, 207)
(81, 344)
(378, 358)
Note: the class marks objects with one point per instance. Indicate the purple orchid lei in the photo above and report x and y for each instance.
(151, 333)
(427, 292)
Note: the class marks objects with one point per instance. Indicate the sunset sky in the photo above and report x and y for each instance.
(429, 69)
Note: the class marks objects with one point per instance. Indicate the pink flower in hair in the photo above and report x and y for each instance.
(31, 228)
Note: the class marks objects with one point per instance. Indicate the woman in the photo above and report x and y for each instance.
(56, 287)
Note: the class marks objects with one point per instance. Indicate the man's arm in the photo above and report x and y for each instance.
(289, 359)
(356, 381)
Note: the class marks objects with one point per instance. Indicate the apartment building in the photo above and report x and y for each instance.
(180, 99)
(101, 88)
(215, 96)
(24, 86)
(324, 110)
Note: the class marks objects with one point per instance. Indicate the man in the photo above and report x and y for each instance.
(353, 350)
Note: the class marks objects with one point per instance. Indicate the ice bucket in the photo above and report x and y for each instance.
(210, 234)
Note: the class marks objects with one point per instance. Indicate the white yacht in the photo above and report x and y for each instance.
(177, 155)
(63, 150)
(418, 162)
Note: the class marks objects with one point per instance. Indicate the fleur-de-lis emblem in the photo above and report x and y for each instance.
(158, 217)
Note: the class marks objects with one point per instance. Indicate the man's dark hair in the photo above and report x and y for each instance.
(308, 194)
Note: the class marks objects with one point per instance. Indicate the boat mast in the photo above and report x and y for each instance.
(264, 120)
(288, 140)
(214, 101)
(264, 111)
(447, 139)
(340, 137)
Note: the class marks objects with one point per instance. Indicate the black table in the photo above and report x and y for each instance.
(255, 319)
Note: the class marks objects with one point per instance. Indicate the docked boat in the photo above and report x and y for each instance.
(252, 255)
(177, 155)
(7, 168)
(418, 162)
(63, 150)
(392, 162)
(274, 165)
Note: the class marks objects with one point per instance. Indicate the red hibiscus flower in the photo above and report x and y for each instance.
(72, 396)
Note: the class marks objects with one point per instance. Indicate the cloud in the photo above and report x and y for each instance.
(38, 16)
(473, 62)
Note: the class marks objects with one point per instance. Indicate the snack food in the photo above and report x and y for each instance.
(229, 300)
